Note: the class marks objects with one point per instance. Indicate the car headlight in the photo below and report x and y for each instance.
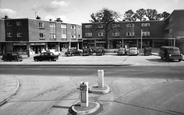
(170, 55)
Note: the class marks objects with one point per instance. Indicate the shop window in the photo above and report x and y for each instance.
(9, 34)
(19, 34)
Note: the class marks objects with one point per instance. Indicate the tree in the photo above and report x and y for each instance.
(140, 14)
(129, 16)
(59, 20)
(165, 15)
(106, 17)
(151, 14)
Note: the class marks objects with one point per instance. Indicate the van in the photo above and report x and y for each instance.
(170, 53)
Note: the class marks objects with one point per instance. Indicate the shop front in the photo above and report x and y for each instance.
(38, 47)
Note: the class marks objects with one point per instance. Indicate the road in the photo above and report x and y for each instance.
(139, 90)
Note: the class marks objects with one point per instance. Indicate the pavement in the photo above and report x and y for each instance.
(10, 85)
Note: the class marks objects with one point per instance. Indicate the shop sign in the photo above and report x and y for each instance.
(37, 43)
(19, 44)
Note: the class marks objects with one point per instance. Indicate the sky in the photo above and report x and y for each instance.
(78, 11)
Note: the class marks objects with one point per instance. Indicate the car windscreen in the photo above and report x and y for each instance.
(173, 51)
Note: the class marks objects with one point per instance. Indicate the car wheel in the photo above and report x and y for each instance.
(179, 60)
(35, 60)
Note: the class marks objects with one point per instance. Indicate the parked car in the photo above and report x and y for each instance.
(73, 52)
(121, 51)
(147, 51)
(170, 53)
(133, 51)
(12, 57)
(46, 56)
(86, 52)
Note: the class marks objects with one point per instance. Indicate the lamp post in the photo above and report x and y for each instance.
(141, 40)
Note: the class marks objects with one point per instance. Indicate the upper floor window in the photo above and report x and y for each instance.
(130, 33)
(73, 36)
(145, 24)
(63, 26)
(63, 35)
(73, 27)
(100, 26)
(9, 23)
(116, 34)
(100, 34)
(115, 25)
(41, 25)
(18, 23)
(88, 34)
(88, 26)
(41, 35)
(19, 34)
(145, 33)
(52, 25)
(129, 25)
(52, 36)
(9, 34)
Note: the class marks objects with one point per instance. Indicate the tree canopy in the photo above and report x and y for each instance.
(144, 14)
(105, 15)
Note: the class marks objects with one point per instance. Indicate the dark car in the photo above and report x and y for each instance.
(121, 51)
(170, 53)
(73, 52)
(46, 56)
(12, 57)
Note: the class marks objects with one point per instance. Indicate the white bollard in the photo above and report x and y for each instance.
(100, 78)
(84, 94)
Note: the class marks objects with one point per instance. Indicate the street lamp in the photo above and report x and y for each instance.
(141, 40)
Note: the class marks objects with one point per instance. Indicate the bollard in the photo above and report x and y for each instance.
(84, 94)
(100, 78)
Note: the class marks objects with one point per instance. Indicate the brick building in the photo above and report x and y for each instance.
(34, 35)
(152, 33)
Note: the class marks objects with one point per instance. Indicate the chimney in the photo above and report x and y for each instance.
(5, 17)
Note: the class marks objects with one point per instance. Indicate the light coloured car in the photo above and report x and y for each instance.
(53, 51)
(133, 51)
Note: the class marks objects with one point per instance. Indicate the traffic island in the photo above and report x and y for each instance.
(77, 109)
(99, 90)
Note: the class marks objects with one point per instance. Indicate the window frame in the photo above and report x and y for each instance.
(19, 35)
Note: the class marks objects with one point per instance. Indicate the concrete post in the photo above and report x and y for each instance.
(28, 49)
(100, 78)
(84, 94)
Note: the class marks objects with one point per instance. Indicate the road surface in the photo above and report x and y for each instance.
(136, 90)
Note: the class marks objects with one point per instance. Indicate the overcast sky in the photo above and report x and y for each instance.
(78, 11)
